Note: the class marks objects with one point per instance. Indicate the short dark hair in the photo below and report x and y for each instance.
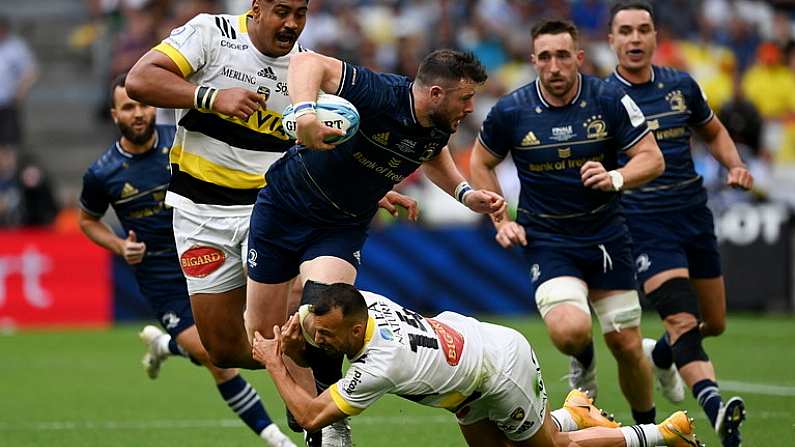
(450, 65)
(623, 5)
(118, 81)
(555, 26)
(339, 295)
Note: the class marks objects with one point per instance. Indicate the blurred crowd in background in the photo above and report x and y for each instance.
(741, 52)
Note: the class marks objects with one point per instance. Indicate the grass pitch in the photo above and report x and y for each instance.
(87, 388)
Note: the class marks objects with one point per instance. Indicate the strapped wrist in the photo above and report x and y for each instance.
(204, 98)
(461, 191)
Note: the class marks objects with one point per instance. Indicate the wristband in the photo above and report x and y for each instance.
(616, 179)
(461, 191)
(204, 98)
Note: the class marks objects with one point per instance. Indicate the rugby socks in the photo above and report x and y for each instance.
(585, 357)
(174, 348)
(646, 435)
(662, 355)
(563, 420)
(707, 394)
(244, 400)
(644, 417)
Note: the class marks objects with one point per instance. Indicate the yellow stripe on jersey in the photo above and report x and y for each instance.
(449, 401)
(205, 170)
(243, 22)
(177, 57)
(343, 404)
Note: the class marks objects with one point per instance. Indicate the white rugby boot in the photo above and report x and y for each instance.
(668, 380)
(154, 356)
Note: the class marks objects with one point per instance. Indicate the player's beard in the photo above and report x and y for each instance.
(137, 138)
(441, 121)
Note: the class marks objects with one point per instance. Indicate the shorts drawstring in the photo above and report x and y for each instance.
(607, 262)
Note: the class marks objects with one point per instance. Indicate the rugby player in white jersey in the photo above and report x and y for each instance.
(486, 374)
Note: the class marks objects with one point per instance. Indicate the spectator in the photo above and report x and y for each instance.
(17, 74)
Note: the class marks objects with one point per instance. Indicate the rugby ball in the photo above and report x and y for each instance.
(333, 111)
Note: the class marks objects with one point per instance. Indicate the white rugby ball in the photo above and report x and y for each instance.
(333, 111)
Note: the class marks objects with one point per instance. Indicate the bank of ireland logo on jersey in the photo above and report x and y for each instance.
(643, 263)
(252, 258)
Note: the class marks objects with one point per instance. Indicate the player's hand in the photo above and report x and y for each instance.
(394, 199)
(740, 177)
(267, 351)
(131, 250)
(292, 338)
(485, 202)
(312, 133)
(595, 176)
(238, 102)
(510, 233)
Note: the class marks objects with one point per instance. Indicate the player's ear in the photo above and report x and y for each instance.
(436, 92)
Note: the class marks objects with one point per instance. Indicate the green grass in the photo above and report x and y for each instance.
(86, 388)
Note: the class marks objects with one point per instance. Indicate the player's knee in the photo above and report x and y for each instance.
(689, 348)
(570, 340)
(679, 323)
(618, 312)
(673, 297)
(626, 346)
(563, 290)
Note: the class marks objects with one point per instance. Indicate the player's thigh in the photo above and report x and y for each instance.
(555, 279)
(657, 247)
(210, 251)
(514, 397)
(484, 433)
(219, 316)
(712, 303)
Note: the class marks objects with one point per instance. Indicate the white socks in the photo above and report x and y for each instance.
(646, 435)
(562, 418)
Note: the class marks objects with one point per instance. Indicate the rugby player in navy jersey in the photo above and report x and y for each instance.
(675, 249)
(565, 132)
(132, 176)
(314, 213)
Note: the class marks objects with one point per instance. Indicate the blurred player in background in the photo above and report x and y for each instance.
(565, 132)
(675, 248)
(132, 176)
(487, 375)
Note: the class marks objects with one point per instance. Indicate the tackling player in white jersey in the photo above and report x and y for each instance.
(486, 374)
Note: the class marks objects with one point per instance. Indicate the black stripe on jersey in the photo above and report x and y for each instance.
(220, 27)
(226, 28)
(200, 191)
(232, 134)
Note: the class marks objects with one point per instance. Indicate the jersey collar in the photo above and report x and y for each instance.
(243, 21)
(573, 100)
(630, 84)
(368, 336)
(126, 154)
(411, 105)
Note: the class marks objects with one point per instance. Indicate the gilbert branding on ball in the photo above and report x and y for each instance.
(333, 111)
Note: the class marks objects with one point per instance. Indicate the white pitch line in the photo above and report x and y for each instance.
(757, 388)
(174, 424)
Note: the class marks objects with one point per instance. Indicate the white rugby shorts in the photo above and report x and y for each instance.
(513, 394)
(211, 250)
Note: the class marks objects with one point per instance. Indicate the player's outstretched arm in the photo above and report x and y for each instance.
(724, 150)
(130, 249)
(311, 413)
(442, 171)
(307, 75)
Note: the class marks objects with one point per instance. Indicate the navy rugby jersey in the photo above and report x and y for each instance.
(672, 102)
(550, 144)
(135, 186)
(344, 185)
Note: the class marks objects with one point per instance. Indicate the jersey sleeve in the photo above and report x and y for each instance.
(369, 91)
(359, 389)
(93, 197)
(495, 133)
(190, 45)
(701, 113)
(627, 119)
